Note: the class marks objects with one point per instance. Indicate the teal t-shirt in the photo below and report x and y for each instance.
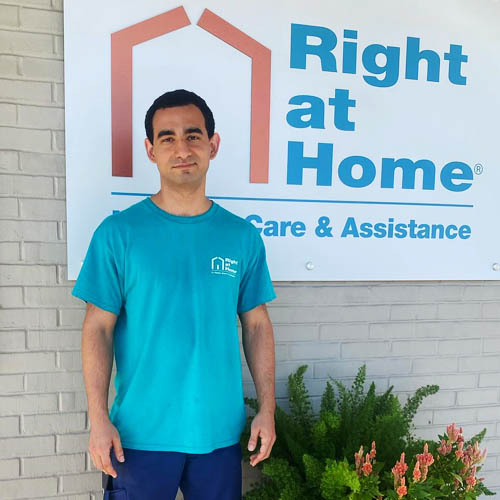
(176, 284)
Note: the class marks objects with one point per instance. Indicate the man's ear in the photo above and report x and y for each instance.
(214, 145)
(149, 150)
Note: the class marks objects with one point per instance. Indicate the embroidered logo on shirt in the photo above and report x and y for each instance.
(224, 265)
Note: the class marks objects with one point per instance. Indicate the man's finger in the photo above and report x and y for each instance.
(107, 467)
(118, 450)
(255, 459)
(252, 442)
(96, 460)
(264, 452)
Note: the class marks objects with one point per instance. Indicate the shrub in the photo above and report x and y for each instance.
(322, 456)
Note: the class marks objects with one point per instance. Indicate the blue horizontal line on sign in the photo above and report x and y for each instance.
(296, 200)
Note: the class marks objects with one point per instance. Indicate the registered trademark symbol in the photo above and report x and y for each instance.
(478, 169)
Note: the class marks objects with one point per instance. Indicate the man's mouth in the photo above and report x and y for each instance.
(183, 165)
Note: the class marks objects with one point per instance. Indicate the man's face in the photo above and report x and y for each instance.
(181, 148)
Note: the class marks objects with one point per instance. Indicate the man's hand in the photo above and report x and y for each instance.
(263, 426)
(103, 437)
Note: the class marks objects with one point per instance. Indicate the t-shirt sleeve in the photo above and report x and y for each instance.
(256, 286)
(100, 280)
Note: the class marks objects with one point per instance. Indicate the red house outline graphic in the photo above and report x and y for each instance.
(122, 43)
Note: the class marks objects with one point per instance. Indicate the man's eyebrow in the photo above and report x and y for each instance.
(189, 130)
(161, 133)
(194, 130)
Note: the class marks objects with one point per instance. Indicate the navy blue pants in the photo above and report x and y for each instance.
(156, 475)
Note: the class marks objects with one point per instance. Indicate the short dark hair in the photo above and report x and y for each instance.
(179, 97)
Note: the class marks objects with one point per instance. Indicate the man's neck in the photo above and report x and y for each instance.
(183, 203)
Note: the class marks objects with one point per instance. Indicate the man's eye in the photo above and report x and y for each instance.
(167, 139)
(193, 137)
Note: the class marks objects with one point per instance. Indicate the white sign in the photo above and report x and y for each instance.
(359, 137)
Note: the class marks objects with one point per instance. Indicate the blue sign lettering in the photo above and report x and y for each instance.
(451, 173)
(301, 48)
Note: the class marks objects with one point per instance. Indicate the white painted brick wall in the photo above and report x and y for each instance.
(408, 334)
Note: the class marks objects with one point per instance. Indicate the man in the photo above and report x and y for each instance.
(163, 281)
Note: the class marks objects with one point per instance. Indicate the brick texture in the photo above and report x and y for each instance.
(407, 334)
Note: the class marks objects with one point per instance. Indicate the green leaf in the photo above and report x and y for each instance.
(300, 405)
(477, 438)
(328, 400)
(286, 477)
(413, 403)
(458, 478)
(339, 481)
(314, 470)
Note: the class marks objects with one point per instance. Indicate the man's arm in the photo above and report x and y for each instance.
(97, 363)
(258, 346)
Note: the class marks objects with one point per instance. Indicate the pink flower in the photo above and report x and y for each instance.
(399, 470)
(444, 449)
(476, 453)
(472, 455)
(453, 433)
(425, 458)
(367, 468)
(402, 491)
(471, 480)
(416, 472)
(358, 458)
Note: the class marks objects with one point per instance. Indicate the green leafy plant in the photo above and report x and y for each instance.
(321, 456)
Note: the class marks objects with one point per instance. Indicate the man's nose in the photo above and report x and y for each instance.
(182, 149)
